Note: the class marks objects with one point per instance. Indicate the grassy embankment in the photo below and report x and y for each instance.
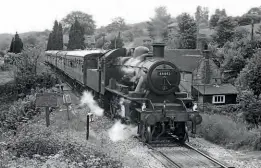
(33, 145)
(229, 131)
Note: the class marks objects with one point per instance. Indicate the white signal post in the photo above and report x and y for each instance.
(67, 102)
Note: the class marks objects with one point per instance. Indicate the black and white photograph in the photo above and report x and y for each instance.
(130, 84)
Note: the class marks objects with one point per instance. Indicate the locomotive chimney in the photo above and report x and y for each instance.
(158, 49)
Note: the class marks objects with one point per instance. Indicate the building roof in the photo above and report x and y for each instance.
(185, 59)
(214, 90)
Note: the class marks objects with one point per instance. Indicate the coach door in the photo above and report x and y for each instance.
(93, 73)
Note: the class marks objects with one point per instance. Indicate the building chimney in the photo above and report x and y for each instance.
(207, 68)
(158, 49)
(206, 52)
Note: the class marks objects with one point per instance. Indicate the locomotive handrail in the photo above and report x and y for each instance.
(131, 98)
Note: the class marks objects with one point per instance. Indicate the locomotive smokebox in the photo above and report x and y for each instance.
(158, 49)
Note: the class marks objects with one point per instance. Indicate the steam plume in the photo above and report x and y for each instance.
(120, 132)
(87, 99)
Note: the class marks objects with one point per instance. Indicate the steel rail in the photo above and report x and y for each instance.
(162, 155)
(207, 156)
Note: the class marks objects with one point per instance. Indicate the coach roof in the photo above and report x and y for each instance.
(82, 53)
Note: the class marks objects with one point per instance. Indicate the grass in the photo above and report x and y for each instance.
(222, 130)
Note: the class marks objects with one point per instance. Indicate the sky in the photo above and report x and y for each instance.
(38, 15)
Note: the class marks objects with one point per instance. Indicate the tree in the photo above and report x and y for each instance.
(49, 44)
(158, 25)
(128, 35)
(118, 41)
(100, 42)
(118, 24)
(240, 33)
(254, 74)
(11, 49)
(256, 10)
(201, 15)
(84, 19)
(247, 19)
(60, 37)
(76, 36)
(215, 18)
(55, 40)
(54, 36)
(187, 31)
(31, 59)
(225, 30)
(16, 45)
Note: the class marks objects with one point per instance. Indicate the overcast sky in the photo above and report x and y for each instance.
(38, 15)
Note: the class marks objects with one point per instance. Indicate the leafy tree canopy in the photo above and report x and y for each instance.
(202, 15)
(187, 31)
(84, 19)
(225, 30)
(118, 24)
(215, 17)
(158, 25)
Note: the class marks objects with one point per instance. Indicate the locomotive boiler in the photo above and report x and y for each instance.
(148, 87)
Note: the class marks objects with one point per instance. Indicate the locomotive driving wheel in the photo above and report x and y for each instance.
(182, 133)
(145, 131)
(112, 111)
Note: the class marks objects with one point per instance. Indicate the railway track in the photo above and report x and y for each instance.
(183, 156)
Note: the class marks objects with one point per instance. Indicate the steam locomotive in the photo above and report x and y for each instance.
(143, 83)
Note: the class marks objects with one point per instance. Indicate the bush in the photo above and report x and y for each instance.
(35, 140)
(24, 83)
(19, 112)
(222, 130)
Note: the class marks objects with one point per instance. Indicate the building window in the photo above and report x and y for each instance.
(218, 99)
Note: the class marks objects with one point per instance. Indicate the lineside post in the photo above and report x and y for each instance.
(47, 116)
(87, 126)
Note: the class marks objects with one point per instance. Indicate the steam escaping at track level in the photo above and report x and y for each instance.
(120, 132)
(87, 99)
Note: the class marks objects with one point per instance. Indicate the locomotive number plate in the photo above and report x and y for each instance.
(164, 73)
